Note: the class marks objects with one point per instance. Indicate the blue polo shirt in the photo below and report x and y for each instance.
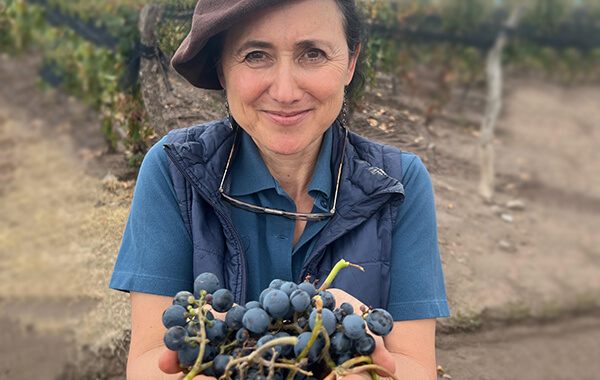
(267, 240)
(156, 251)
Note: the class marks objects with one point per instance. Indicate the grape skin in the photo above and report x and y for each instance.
(380, 322)
(217, 332)
(256, 320)
(222, 300)
(365, 345)
(182, 298)
(289, 287)
(174, 338)
(340, 343)
(300, 300)
(276, 303)
(206, 281)
(234, 317)
(327, 318)
(328, 300)
(354, 326)
(308, 288)
(174, 315)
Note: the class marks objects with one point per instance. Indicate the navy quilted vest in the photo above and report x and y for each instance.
(359, 232)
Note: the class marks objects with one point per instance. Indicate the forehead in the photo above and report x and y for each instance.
(290, 22)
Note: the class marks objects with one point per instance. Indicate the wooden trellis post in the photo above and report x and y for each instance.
(493, 106)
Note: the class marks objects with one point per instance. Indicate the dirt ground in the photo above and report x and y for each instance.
(522, 273)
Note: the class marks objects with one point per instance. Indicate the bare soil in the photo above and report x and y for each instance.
(523, 280)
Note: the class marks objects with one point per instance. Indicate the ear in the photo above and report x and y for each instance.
(352, 63)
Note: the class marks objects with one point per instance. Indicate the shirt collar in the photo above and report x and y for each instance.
(249, 173)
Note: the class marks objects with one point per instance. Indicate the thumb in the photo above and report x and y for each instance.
(382, 357)
(168, 362)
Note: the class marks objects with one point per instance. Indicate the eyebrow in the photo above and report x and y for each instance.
(312, 43)
(256, 44)
(253, 44)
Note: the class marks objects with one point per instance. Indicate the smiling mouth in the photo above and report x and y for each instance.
(287, 118)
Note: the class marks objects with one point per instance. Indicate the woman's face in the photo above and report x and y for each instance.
(284, 71)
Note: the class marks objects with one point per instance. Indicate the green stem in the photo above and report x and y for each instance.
(197, 368)
(361, 359)
(336, 269)
(316, 329)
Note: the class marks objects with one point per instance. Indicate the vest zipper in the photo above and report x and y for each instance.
(222, 217)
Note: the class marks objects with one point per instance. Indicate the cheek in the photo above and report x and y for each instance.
(244, 88)
(326, 85)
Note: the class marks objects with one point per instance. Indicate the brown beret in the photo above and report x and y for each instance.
(194, 59)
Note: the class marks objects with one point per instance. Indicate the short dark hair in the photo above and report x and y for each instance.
(355, 28)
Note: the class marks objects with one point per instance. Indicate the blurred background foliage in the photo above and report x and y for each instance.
(428, 48)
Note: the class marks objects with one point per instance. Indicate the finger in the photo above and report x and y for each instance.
(168, 362)
(382, 357)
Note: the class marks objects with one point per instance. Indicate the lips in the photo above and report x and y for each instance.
(287, 118)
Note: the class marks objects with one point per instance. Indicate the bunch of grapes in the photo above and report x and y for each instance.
(294, 331)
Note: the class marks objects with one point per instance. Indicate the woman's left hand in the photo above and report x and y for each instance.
(381, 356)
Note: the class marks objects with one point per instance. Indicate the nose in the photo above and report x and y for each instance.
(284, 86)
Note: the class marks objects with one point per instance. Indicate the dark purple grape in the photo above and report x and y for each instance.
(219, 365)
(380, 322)
(365, 345)
(210, 353)
(217, 332)
(222, 300)
(343, 357)
(256, 320)
(314, 352)
(209, 315)
(289, 287)
(234, 317)
(175, 338)
(354, 326)
(264, 339)
(303, 321)
(276, 284)
(276, 303)
(183, 298)
(328, 300)
(339, 315)
(262, 296)
(308, 288)
(347, 308)
(328, 320)
(300, 300)
(284, 350)
(193, 328)
(188, 355)
(206, 281)
(340, 343)
(242, 335)
(210, 372)
(252, 305)
(174, 315)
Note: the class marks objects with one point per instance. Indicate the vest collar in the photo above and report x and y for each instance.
(201, 156)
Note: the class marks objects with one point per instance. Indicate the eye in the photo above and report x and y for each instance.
(255, 56)
(314, 55)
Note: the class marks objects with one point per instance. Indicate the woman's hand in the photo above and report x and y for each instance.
(381, 356)
(408, 351)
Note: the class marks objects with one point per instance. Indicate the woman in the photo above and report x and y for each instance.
(279, 189)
